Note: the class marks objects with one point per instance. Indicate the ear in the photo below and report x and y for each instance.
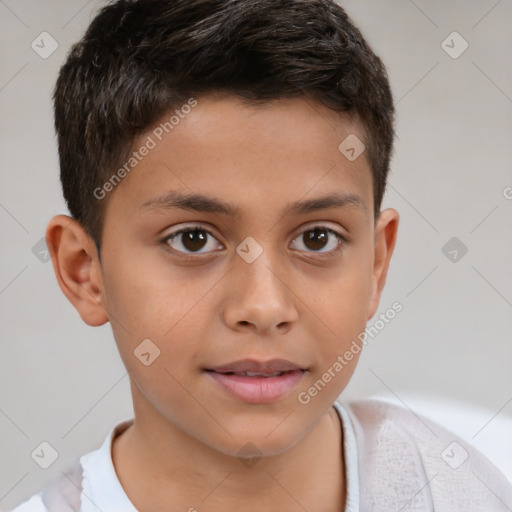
(386, 231)
(77, 268)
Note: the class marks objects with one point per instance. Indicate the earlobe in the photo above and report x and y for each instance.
(77, 268)
(386, 232)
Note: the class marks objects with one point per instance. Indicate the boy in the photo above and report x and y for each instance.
(224, 163)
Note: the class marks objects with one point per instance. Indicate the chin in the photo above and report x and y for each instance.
(258, 440)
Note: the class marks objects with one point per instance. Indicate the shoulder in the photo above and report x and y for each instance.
(62, 494)
(91, 474)
(408, 460)
(33, 504)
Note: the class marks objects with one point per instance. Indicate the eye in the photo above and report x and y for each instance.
(198, 240)
(192, 240)
(320, 239)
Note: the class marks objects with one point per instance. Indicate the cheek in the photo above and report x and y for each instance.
(344, 309)
(152, 318)
(348, 296)
(151, 295)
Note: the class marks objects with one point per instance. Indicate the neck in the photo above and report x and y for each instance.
(183, 471)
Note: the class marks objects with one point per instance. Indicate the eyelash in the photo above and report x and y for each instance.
(341, 239)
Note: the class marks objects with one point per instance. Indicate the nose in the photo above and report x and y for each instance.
(260, 298)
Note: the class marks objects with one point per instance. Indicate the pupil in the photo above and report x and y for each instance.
(315, 239)
(194, 240)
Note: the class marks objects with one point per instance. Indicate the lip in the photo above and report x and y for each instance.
(252, 365)
(274, 379)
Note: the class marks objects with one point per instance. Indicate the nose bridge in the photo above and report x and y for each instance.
(259, 293)
(258, 267)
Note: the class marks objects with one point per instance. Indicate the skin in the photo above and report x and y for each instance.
(212, 308)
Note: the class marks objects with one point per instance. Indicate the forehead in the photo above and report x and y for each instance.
(250, 156)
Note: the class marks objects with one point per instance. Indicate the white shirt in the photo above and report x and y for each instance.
(102, 490)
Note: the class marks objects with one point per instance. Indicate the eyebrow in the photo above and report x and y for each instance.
(201, 203)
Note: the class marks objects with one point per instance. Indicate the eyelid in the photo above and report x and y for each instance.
(320, 225)
(190, 227)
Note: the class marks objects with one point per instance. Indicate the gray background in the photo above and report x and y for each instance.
(63, 381)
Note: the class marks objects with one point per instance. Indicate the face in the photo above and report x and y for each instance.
(243, 241)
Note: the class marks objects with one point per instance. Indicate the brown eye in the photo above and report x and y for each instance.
(315, 239)
(192, 240)
(320, 240)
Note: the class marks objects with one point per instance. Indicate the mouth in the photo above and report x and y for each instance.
(254, 374)
(257, 382)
